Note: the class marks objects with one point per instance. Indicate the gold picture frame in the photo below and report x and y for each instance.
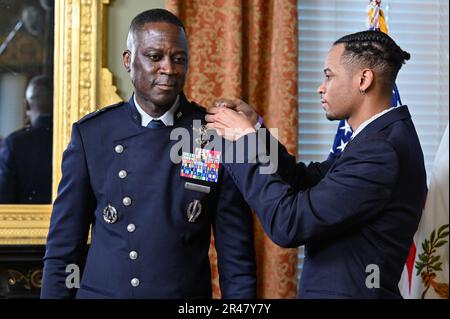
(82, 83)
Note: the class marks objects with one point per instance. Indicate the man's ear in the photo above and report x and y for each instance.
(366, 80)
(126, 55)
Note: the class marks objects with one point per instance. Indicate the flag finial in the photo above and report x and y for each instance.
(376, 18)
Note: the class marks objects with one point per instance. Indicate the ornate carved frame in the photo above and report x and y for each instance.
(81, 84)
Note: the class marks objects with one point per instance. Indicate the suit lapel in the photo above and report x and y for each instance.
(397, 114)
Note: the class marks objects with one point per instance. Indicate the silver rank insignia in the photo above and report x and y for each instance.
(110, 214)
(194, 210)
(203, 138)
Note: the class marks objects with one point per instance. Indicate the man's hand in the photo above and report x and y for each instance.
(230, 124)
(239, 106)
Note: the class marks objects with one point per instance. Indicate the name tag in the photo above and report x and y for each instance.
(203, 165)
(197, 187)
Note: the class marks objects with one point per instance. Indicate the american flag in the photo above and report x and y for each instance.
(376, 22)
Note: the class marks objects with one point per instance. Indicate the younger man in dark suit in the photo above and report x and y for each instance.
(356, 214)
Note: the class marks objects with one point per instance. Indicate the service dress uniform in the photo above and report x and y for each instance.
(150, 232)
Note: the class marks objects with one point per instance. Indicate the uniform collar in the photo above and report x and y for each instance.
(183, 114)
(43, 121)
(167, 118)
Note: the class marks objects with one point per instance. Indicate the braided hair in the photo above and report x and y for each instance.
(375, 50)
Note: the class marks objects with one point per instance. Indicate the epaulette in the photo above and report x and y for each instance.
(100, 111)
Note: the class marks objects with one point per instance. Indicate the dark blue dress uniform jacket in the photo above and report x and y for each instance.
(26, 165)
(151, 251)
(358, 210)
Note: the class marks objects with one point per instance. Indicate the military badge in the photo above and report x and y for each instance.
(203, 138)
(110, 214)
(194, 210)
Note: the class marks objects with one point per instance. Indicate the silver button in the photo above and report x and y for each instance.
(135, 282)
(133, 255)
(123, 174)
(118, 148)
(127, 201)
(131, 228)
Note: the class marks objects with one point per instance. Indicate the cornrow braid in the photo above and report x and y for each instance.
(375, 50)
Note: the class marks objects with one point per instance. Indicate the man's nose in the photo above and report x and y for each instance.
(321, 89)
(167, 66)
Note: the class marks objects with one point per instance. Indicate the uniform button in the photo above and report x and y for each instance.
(135, 282)
(123, 174)
(131, 228)
(127, 201)
(119, 149)
(133, 255)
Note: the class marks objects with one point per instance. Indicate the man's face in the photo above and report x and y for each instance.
(339, 92)
(38, 99)
(157, 60)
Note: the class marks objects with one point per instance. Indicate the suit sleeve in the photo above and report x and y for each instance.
(233, 232)
(351, 193)
(297, 175)
(70, 221)
(8, 174)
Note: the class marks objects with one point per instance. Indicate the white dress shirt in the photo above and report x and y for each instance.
(167, 118)
(373, 118)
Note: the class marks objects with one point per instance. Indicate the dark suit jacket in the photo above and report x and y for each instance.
(26, 165)
(171, 259)
(357, 211)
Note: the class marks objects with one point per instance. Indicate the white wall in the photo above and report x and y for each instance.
(12, 105)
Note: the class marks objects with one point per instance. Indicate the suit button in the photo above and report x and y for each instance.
(131, 228)
(133, 255)
(123, 174)
(118, 149)
(127, 201)
(135, 282)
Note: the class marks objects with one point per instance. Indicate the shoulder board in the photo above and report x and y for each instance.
(100, 111)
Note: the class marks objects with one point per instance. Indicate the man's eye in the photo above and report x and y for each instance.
(154, 57)
(180, 59)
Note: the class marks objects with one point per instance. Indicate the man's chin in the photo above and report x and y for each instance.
(331, 117)
(334, 117)
(165, 101)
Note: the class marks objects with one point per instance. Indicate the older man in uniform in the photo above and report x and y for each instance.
(151, 218)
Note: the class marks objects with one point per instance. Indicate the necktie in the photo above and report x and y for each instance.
(155, 124)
